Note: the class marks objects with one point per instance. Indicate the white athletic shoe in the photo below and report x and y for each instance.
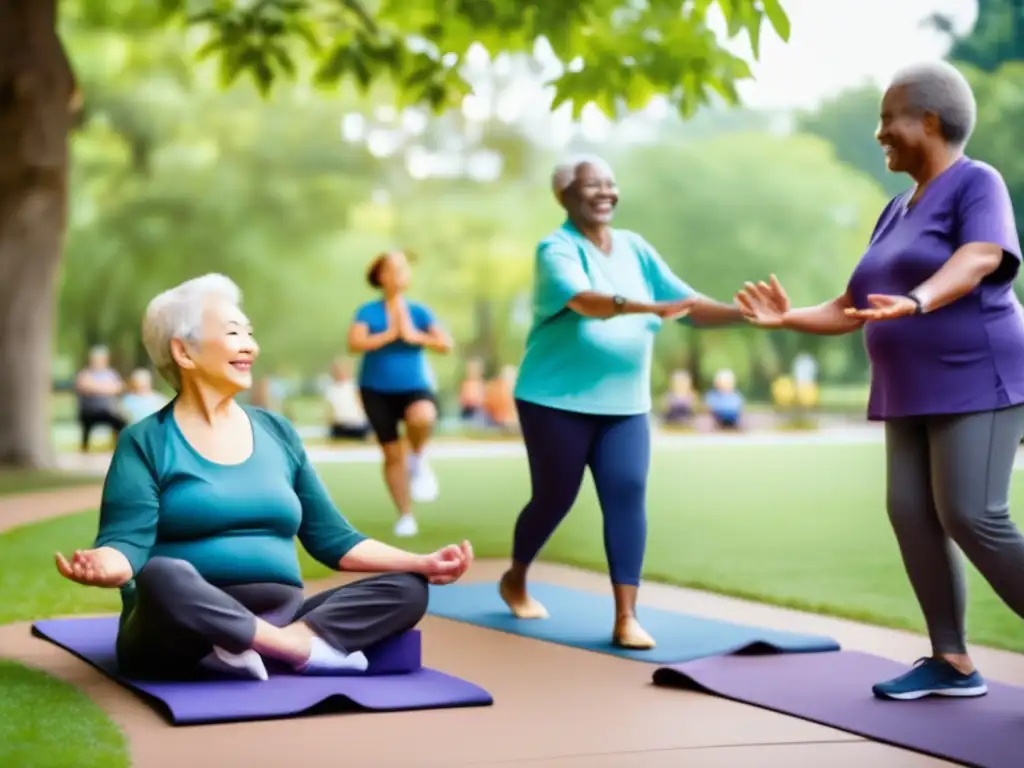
(423, 486)
(244, 664)
(406, 526)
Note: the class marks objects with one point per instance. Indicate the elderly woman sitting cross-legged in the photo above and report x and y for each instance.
(201, 506)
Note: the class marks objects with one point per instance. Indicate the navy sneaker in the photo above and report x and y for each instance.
(931, 677)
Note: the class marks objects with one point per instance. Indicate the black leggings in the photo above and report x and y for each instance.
(91, 420)
(178, 616)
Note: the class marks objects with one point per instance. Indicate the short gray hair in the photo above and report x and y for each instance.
(178, 314)
(939, 87)
(565, 172)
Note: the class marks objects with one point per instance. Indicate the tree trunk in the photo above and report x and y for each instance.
(37, 89)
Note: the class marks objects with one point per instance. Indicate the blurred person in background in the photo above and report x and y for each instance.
(500, 400)
(140, 400)
(396, 383)
(98, 388)
(945, 336)
(677, 406)
(346, 419)
(471, 392)
(723, 401)
(584, 388)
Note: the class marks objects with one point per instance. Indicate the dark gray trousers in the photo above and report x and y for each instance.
(949, 484)
(178, 616)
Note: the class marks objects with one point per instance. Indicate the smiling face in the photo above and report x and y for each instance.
(223, 356)
(906, 135)
(395, 273)
(592, 197)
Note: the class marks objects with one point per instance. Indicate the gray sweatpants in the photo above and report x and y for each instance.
(949, 483)
(178, 616)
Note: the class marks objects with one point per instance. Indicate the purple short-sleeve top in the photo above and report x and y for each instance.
(969, 355)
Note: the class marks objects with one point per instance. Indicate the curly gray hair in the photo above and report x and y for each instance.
(939, 87)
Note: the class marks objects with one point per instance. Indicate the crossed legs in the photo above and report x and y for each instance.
(181, 623)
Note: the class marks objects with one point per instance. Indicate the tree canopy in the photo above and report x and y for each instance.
(617, 55)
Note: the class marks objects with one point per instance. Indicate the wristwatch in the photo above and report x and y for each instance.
(918, 306)
(619, 303)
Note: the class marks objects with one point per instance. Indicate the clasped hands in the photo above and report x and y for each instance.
(766, 304)
(401, 327)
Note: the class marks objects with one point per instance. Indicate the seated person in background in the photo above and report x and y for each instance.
(345, 413)
(140, 400)
(471, 393)
(678, 403)
(724, 402)
(98, 387)
(500, 401)
(200, 510)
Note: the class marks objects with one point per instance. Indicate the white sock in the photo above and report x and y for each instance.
(245, 664)
(325, 660)
(414, 462)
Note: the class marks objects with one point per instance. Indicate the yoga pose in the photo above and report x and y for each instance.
(396, 383)
(583, 393)
(201, 507)
(945, 336)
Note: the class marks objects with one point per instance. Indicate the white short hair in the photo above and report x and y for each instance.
(178, 314)
(565, 172)
(725, 378)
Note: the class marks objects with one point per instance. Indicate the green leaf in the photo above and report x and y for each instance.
(778, 18)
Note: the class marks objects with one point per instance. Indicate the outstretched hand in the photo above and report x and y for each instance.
(93, 568)
(674, 310)
(764, 304)
(449, 564)
(884, 307)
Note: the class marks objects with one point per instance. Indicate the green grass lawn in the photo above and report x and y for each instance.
(802, 526)
(46, 723)
(27, 481)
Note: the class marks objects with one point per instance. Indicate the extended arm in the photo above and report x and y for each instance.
(828, 319)
(669, 287)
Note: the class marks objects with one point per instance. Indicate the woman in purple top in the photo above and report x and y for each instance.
(945, 336)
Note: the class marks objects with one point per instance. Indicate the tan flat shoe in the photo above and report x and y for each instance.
(520, 603)
(630, 635)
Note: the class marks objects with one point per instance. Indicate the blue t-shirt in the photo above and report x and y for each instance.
(588, 365)
(724, 404)
(396, 367)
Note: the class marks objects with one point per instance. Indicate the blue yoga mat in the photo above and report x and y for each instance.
(584, 620)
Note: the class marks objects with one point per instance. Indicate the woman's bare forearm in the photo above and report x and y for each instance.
(828, 319)
(708, 313)
(370, 342)
(374, 556)
(603, 306)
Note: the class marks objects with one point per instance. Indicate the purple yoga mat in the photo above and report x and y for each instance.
(834, 689)
(395, 681)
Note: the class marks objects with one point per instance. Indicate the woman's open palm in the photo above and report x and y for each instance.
(90, 567)
(764, 304)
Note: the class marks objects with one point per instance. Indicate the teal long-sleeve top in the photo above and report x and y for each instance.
(236, 524)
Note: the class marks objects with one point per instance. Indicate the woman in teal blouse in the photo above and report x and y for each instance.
(201, 507)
